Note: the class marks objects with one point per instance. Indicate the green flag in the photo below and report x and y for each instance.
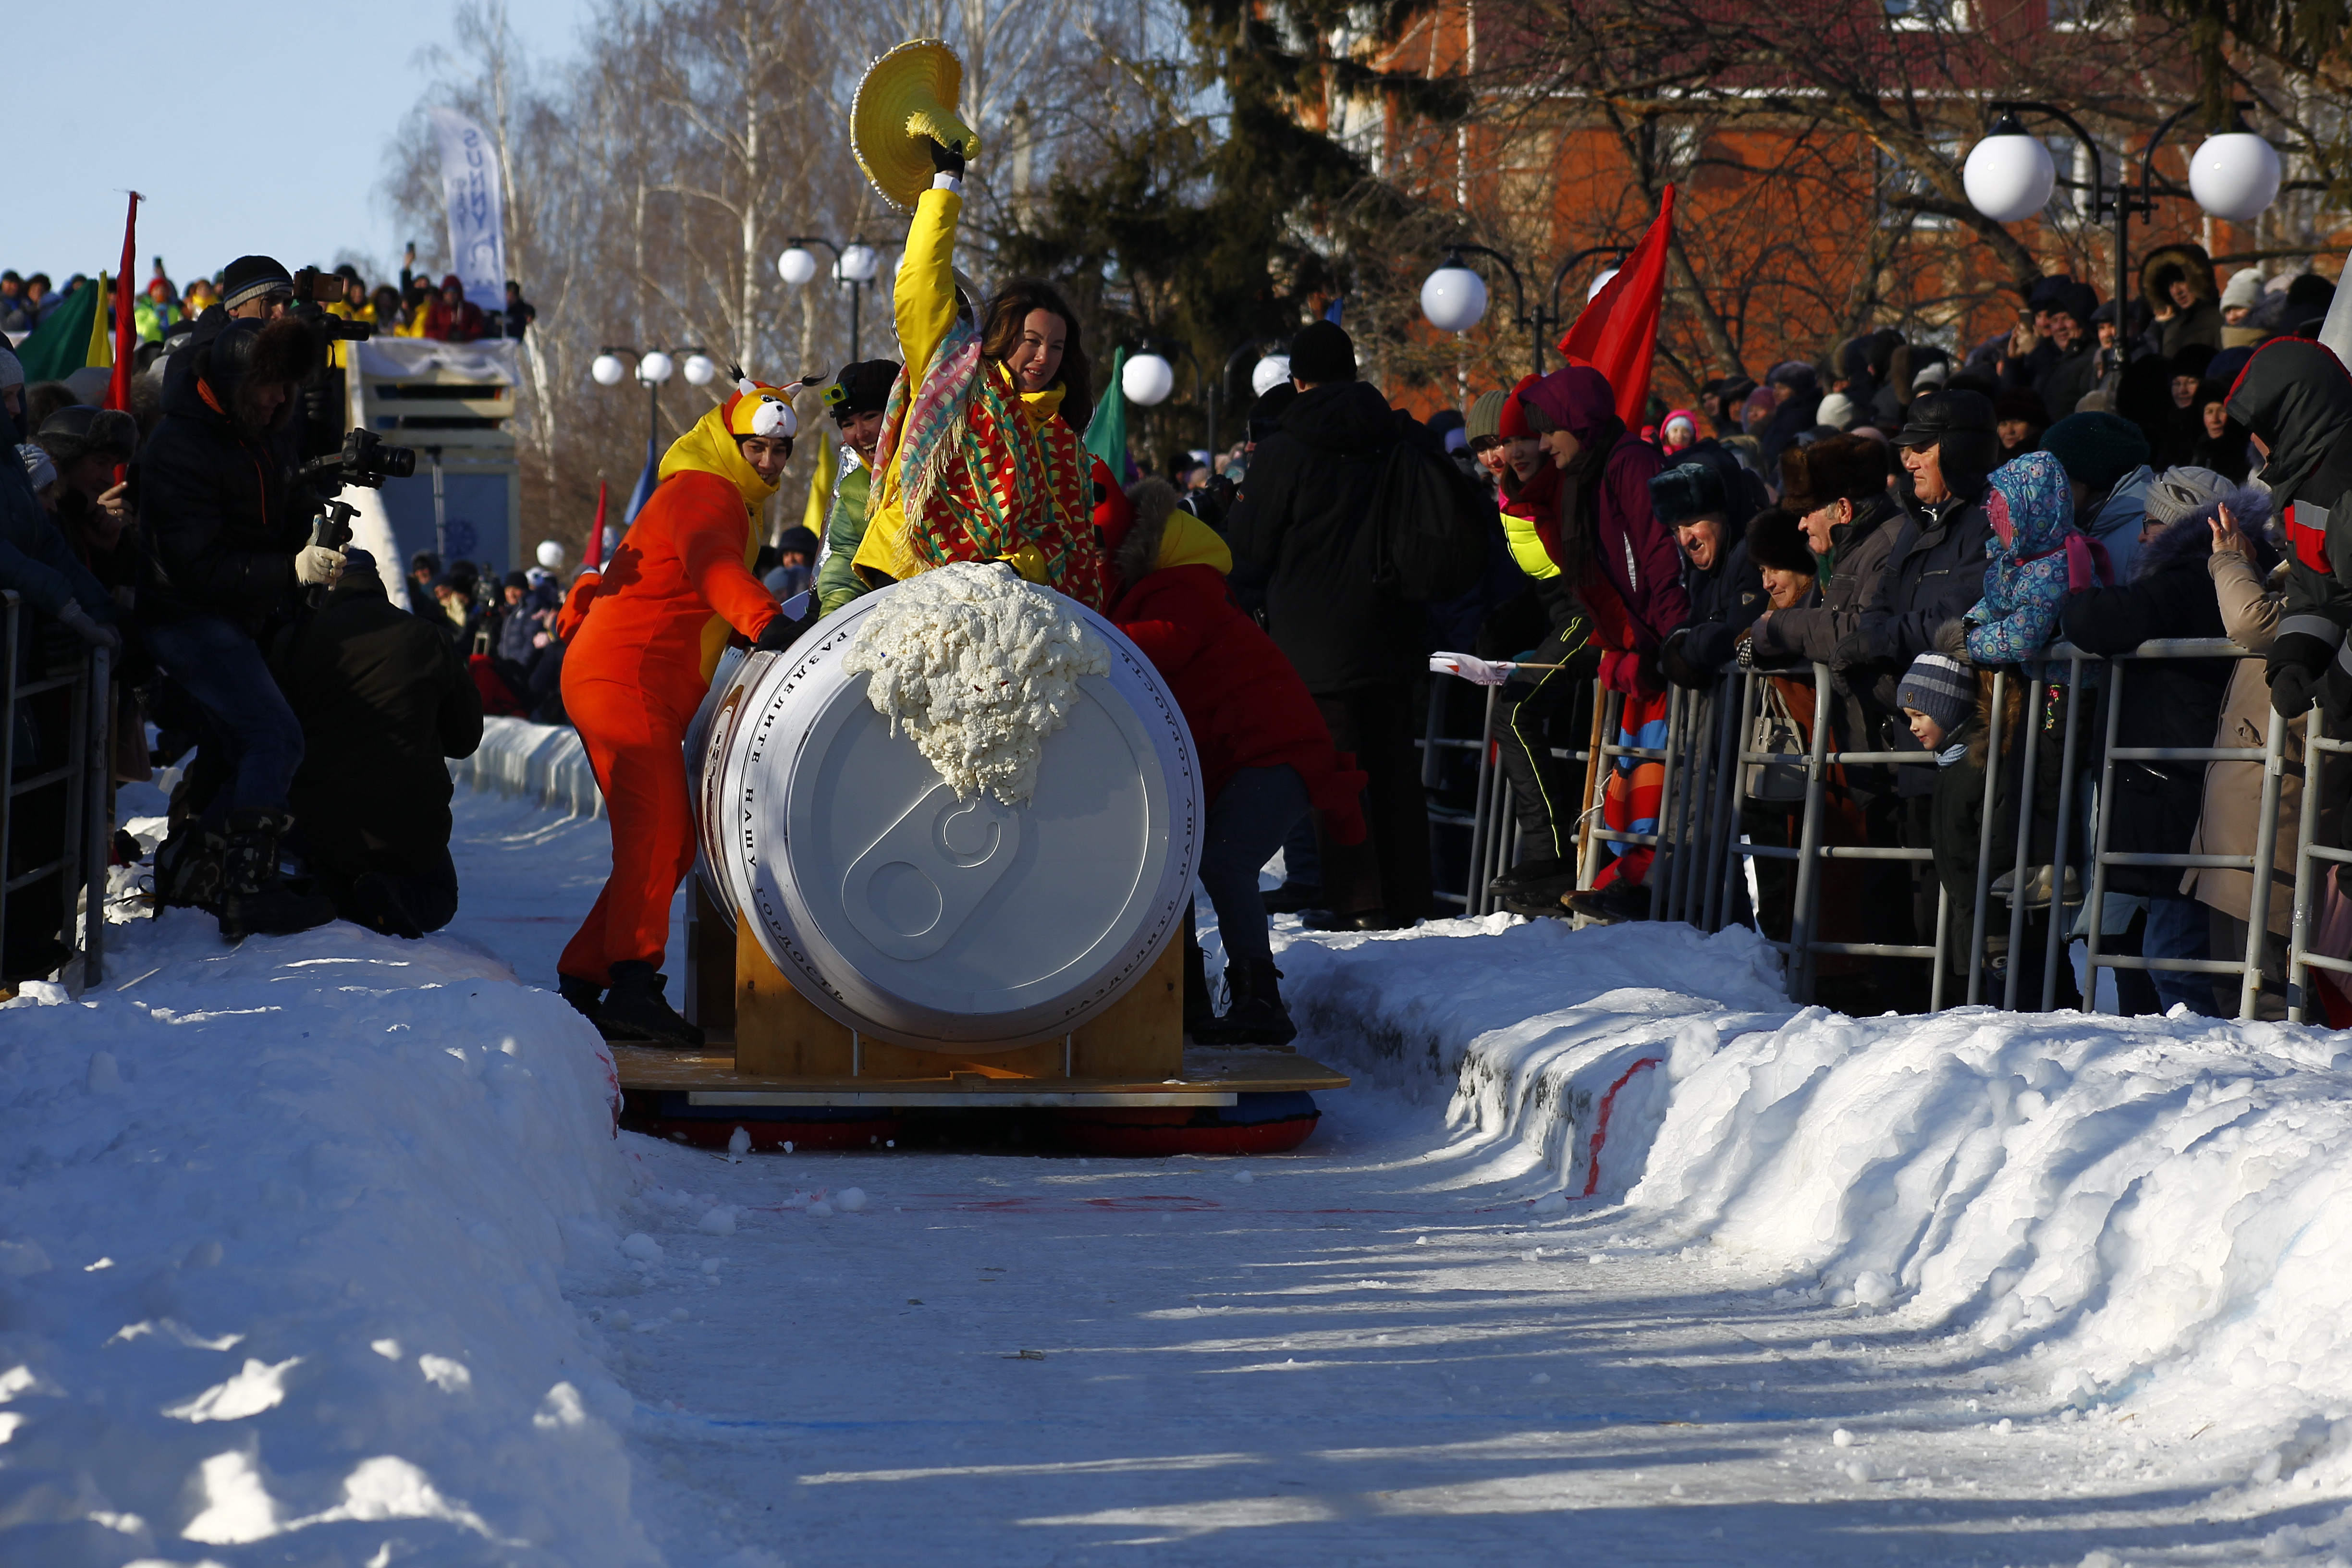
(60, 344)
(1107, 431)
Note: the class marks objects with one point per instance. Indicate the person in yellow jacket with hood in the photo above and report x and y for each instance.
(977, 461)
(642, 639)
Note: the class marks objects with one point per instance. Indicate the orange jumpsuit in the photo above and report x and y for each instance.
(637, 669)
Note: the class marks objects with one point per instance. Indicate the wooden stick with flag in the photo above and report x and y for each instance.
(1617, 332)
(126, 327)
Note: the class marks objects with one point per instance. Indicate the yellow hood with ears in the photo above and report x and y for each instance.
(709, 448)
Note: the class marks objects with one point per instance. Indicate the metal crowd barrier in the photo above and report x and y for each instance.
(85, 776)
(1701, 854)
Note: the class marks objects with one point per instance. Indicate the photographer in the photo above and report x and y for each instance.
(382, 699)
(227, 530)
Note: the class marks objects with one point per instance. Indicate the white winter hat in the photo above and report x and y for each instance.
(1837, 411)
(1271, 372)
(551, 554)
(2244, 287)
(1934, 375)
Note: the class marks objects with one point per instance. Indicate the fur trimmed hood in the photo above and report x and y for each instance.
(2194, 265)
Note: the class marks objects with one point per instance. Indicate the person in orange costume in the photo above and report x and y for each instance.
(642, 639)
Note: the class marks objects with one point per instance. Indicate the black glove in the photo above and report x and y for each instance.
(945, 159)
(794, 617)
(2299, 656)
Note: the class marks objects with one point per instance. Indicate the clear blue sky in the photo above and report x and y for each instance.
(262, 128)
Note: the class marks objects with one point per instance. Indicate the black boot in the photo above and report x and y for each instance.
(254, 900)
(1613, 905)
(1200, 1011)
(585, 995)
(1531, 874)
(1254, 1016)
(188, 869)
(635, 1003)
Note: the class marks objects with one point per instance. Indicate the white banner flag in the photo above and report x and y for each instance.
(470, 183)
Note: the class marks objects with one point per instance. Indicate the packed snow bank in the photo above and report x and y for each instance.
(2151, 1208)
(282, 1234)
(541, 763)
(1561, 1040)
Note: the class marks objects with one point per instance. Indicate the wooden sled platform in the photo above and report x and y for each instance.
(769, 1045)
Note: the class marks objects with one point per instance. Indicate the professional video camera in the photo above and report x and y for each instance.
(321, 397)
(363, 460)
(313, 291)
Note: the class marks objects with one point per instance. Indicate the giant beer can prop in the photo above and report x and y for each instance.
(905, 914)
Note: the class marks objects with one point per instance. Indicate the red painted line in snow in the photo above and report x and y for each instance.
(1600, 1124)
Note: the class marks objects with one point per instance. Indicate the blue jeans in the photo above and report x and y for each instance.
(2176, 927)
(1246, 823)
(217, 665)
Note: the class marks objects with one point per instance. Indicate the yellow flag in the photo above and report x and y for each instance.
(101, 339)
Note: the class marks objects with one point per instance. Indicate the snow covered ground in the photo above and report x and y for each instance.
(322, 1251)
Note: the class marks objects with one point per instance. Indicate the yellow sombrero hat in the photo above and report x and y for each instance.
(907, 95)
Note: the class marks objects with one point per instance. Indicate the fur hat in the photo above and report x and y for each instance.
(1153, 501)
(1936, 686)
(1323, 352)
(1686, 491)
(2096, 448)
(1852, 467)
(284, 350)
(1776, 540)
(80, 431)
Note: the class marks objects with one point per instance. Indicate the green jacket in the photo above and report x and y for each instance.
(844, 530)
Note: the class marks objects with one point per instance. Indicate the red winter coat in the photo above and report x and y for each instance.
(1245, 704)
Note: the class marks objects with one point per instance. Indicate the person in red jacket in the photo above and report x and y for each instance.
(1266, 753)
(1610, 579)
(649, 633)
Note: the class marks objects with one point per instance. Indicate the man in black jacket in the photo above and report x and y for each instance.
(227, 552)
(1703, 500)
(1300, 520)
(382, 699)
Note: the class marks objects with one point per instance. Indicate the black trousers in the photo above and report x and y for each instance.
(1389, 870)
(1545, 790)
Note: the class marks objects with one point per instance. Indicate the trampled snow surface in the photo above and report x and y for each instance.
(322, 1251)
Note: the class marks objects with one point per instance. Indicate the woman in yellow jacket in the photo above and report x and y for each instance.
(976, 460)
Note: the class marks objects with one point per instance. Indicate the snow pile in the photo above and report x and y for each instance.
(541, 763)
(1533, 1029)
(282, 1235)
(978, 668)
(2151, 1207)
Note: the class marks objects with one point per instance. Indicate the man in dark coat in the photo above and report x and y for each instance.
(1934, 575)
(382, 699)
(2296, 401)
(2166, 702)
(1725, 595)
(227, 552)
(2067, 377)
(1300, 520)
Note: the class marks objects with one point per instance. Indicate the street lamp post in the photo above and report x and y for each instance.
(854, 264)
(2010, 175)
(1454, 298)
(654, 367)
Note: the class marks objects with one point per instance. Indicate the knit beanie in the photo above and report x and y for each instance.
(1322, 351)
(1837, 412)
(1485, 417)
(249, 277)
(2243, 289)
(2185, 491)
(2096, 448)
(862, 387)
(1938, 686)
(1777, 542)
(11, 370)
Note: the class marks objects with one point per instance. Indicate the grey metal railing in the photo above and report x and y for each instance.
(83, 777)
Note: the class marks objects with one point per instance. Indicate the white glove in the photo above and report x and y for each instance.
(316, 566)
(76, 619)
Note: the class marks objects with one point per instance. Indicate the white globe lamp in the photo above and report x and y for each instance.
(656, 368)
(860, 262)
(700, 369)
(2234, 176)
(796, 266)
(1271, 372)
(1454, 298)
(1146, 380)
(608, 370)
(2008, 174)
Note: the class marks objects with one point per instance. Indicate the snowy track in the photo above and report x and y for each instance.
(2073, 1291)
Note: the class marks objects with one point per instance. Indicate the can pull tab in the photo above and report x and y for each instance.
(914, 887)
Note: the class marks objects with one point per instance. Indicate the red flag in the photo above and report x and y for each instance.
(126, 330)
(1617, 334)
(594, 559)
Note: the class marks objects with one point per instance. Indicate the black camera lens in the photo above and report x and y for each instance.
(396, 462)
